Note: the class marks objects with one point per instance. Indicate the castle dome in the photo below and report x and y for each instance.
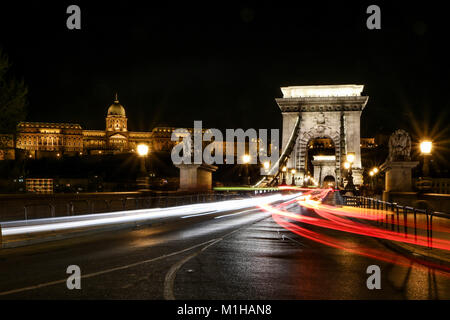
(116, 109)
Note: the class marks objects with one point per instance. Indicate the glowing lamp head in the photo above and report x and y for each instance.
(371, 173)
(246, 158)
(293, 171)
(266, 165)
(350, 157)
(375, 170)
(425, 147)
(347, 165)
(284, 169)
(142, 149)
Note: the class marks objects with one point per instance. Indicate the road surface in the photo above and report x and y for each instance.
(242, 254)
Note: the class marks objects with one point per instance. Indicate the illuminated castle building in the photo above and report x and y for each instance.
(41, 139)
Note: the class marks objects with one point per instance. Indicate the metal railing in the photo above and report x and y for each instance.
(389, 216)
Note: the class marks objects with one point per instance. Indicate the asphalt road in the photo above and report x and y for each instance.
(240, 255)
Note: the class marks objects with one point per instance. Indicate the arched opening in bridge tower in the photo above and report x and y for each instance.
(321, 159)
(329, 182)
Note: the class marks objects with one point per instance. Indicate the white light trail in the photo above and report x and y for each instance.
(120, 217)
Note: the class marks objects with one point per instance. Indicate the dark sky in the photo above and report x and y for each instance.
(223, 62)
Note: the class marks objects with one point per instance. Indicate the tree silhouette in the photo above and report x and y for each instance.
(13, 97)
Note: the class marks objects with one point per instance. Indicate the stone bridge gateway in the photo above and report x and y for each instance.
(324, 111)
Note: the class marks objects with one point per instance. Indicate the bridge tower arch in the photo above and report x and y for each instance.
(332, 111)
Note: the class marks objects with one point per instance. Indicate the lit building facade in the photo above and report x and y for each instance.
(42, 139)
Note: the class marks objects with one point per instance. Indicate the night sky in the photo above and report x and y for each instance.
(223, 62)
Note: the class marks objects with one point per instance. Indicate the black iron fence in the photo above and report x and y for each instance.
(395, 217)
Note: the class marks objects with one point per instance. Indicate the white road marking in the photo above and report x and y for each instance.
(169, 280)
(199, 214)
(233, 214)
(94, 274)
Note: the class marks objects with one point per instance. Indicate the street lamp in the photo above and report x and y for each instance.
(143, 181)
(425, 149)
(373, 173)
(246, 160)
(306, 179)
(348, 165)
(142, 149)
(293, 177)
(350, 157)
(283, 173)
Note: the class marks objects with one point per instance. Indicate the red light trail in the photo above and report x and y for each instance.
(337, 218)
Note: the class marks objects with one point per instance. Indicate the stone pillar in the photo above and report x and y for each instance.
(196, 177)
(289, 119)
(398, 176)
(353, 143)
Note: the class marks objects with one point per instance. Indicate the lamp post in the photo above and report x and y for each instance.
(283, 172)
(306, 180)
(372, 175)
(425, 149)
(348, 165)
(266, 166)
(293, 177)
(246, 160)
(142, 181)
(425, 182)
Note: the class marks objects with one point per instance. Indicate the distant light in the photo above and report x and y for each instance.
(293, 171)
(371, 173)
(322, 91)
(266, 165)
(324, 158)
(246, 158)
(350, 157)
(375, 170)
(425, 147)
(347, 165)
(142, 149)
(284, 169)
